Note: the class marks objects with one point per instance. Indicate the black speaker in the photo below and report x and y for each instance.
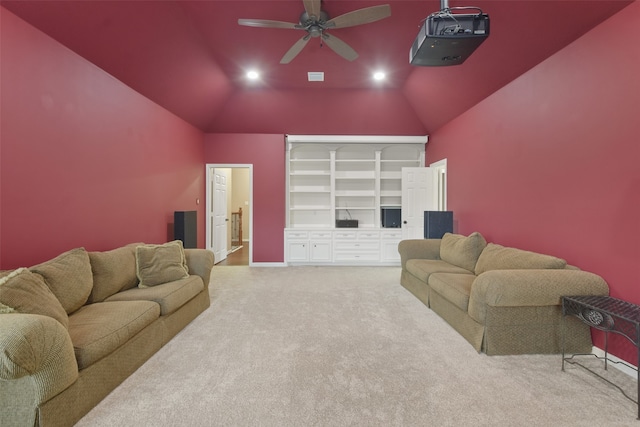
(436, 223)
(185, 228)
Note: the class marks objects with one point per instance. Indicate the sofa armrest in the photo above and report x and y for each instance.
(530, 288)
(37, 362)
(200, 262)
(418, 249)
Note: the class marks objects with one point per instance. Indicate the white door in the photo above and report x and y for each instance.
(419, 194)
(220, 220)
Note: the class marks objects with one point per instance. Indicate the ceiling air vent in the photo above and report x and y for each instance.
(315, 76)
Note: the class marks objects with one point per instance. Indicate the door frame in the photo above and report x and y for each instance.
(441, 182)
(220, 179)
(209, 167)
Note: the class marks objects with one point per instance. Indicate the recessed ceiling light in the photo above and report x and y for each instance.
(379, 75)
(253, 75)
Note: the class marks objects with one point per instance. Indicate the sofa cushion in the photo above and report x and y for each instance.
(462, 251)
(157, 264)
(113, 271)
(423, 268)
(170, 296)
(455, 288)
(497, 257)
(25, 292)
(98, 329)
(69, 277)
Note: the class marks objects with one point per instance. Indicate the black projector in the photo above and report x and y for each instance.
(448, 39)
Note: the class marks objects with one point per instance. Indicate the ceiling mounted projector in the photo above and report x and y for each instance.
(448, 38)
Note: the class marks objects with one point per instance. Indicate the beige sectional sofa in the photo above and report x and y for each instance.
(74, 327)
(502, 300)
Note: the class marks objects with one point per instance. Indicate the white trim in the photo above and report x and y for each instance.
(359, 139)
(208, 168)
(619, 364)
(439, 164)
(440, 169)
(269, 264)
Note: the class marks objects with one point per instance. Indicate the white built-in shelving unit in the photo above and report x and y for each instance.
(345, 177)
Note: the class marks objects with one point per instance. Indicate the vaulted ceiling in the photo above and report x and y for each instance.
(191, 56)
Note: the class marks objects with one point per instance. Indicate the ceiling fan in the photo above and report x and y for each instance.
(316, 22)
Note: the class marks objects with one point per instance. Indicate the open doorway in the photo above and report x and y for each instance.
(229, 216)
(440, 168)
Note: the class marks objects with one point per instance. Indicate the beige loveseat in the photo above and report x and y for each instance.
(502, 300)
(74, 327)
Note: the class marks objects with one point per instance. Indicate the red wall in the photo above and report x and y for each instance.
(551, 162)
(317, 111)
(267, 155)
(85, 160)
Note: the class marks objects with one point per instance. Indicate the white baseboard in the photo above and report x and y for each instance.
(268, 264)
(620, 364)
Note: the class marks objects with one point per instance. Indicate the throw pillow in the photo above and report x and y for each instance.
(113, 271)
(497, 257)
(25, 292)
(69, 277)
(157, 264)
(462, 251)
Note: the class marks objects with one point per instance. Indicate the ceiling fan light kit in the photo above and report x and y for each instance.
(316, 22)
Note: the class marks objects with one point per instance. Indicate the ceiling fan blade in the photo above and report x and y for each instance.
(312, 7)
(340, 47)
(295, 50)
(360, 16)
(266, 23)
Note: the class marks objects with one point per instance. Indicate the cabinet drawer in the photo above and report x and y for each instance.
(349, 256)
(357, 246)
(297, 234)
(392, 235)
(366, 235)
(320, 234)
(345, 235)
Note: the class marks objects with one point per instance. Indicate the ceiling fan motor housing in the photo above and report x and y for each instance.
(307, 22)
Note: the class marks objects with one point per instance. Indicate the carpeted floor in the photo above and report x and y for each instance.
(347, 346)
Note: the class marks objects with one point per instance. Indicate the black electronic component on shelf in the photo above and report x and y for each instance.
(391, 217)
(346, 223)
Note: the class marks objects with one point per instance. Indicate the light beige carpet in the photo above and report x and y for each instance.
(346, 346)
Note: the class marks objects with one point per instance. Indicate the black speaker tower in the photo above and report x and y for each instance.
(436, 223)
(185, 226)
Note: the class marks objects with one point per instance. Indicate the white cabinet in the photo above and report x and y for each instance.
(389, 240)
(357, 246)
(332, 178)
(343, 246)
(297, 245)
(308, 246)
(320, 246)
